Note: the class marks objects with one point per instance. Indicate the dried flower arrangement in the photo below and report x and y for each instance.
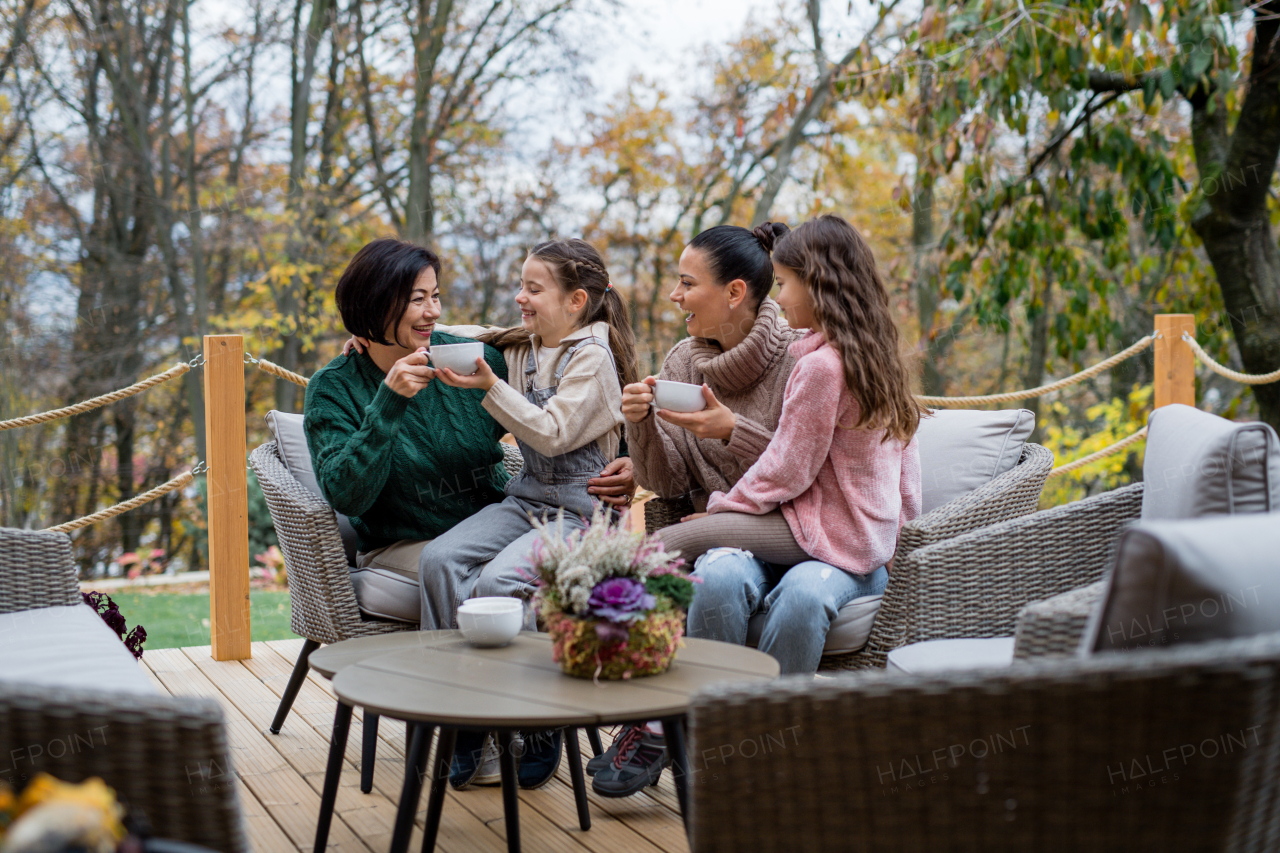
(613, 600)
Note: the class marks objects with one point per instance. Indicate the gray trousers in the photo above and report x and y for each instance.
(486, 554)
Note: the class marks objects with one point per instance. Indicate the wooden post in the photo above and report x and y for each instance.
(228, 496)
(1175, 363)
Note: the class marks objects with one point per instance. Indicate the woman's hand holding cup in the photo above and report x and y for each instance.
(637, 399)
(410, 374)
(716, 420)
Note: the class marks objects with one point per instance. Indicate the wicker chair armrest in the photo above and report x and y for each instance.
(166, 756)
(1054, 627)
(975, 584)
(36, 570)
(512, 458)
(664, 512)
(1013, 494)
(887, 761)
(322, 600)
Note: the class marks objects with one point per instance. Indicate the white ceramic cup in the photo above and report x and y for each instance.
(460, 358)
(490, 622)
(678, 396)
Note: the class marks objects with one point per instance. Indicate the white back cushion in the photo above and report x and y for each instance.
(962, 449)
(292, 440)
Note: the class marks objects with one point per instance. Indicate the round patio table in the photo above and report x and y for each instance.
(442, 680)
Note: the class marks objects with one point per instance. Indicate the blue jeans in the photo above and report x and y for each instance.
(798, 603)
(486, 554)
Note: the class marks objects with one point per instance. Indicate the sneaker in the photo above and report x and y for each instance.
(490, 772)
(604, 759)
(468, 758)
(540, 758)
(639, 761)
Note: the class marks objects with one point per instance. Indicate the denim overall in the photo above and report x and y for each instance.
(487, 554)
(560, 481)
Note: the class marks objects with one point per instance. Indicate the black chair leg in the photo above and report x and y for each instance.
(295, 684)
(368, 752)
(593, 735)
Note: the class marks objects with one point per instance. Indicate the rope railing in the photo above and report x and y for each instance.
(276, 370)
(97, 402)
(133, 503)
(1040, 391)
(1109, 450)
(1233, 375)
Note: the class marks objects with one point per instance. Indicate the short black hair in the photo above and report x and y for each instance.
(376, 286)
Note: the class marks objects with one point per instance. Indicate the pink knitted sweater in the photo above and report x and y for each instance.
(844, 492)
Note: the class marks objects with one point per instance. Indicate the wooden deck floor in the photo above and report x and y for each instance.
(279, 777)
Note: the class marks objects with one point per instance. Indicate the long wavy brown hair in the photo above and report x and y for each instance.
(851, 308)
(576, 264)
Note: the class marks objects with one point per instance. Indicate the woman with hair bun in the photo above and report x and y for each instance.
(737, 351)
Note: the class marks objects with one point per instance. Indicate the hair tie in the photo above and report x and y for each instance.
(608, 285)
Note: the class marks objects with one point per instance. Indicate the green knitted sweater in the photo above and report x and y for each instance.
(400, 467)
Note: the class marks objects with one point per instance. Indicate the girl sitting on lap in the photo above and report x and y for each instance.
(842, 469)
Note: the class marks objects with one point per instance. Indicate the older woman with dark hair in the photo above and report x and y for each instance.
(404, 456)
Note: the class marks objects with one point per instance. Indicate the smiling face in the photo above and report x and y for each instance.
(545, 309)
(419, 319)
(710, 308)
(794, 298)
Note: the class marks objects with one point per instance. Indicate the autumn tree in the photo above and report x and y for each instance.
(1147, 131)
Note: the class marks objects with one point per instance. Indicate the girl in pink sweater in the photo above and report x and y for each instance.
(843, 467)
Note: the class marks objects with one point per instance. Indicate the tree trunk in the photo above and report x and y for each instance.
(1247, 265)
(1038, 352)
(923, 238)
(1233, 220)
(428, 43)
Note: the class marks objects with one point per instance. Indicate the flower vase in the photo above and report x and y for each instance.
(648, 649)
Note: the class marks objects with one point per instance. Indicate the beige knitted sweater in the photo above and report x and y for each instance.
(588, 402)
(749, 379)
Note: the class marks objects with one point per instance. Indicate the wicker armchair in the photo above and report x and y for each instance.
(166, 756)
(323, 606)
(36, 570)
(974, 585)
(1054, 627)
(1162, 749)
(1013, 494)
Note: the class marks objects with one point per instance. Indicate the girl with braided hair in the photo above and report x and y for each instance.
(567, 363)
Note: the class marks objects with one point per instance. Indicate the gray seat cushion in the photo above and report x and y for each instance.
(386, 581)
(949, 655)
(847, 633)
(1189, 581)
(962, 449)
(292, 441)
(1199, 464)
(68, 646)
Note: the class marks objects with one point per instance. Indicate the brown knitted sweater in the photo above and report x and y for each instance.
(749, 379)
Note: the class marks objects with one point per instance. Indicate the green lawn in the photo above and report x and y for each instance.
(174, 620)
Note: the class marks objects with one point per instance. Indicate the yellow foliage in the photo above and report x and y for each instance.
(1107, 423)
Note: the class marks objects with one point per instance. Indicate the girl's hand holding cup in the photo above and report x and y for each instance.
(484, 378)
